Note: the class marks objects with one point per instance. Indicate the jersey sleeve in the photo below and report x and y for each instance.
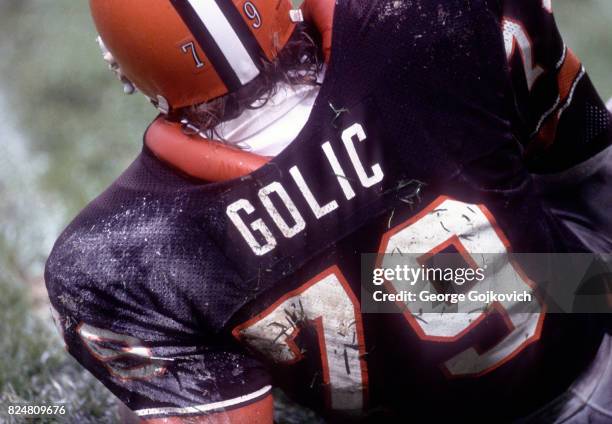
(562, 122)
(562, 119)
(160, 378)
(141, 296)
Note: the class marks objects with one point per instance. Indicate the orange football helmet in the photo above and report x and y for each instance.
(184, 52)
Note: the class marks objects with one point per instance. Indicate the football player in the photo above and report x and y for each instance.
(206, 274)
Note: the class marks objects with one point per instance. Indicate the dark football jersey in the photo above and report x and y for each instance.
(562, 120)
(185, 297)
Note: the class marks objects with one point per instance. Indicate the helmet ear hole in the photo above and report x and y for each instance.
(162, 105)
(128, 86)
(144, 44)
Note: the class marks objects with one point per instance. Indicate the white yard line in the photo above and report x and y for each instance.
(29, 222)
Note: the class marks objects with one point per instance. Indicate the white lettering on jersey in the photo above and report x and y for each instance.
(345, 185)
(515, 35)
(257, 225)
(287, 230)
(318, 210)
(326, 303)
(547, 4)
(347, 138)
(471, 230)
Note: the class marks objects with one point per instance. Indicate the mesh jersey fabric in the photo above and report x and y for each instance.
(561, 119)
(156, 283)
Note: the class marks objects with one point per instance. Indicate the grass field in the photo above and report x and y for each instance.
(36, 369)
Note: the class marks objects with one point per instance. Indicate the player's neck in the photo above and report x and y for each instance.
(257, 135)
(269, 128)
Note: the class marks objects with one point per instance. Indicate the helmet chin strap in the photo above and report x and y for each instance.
(196, 156)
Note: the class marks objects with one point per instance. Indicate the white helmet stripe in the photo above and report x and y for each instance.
(226, 38)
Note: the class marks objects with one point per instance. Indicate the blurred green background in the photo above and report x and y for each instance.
(66, 131)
